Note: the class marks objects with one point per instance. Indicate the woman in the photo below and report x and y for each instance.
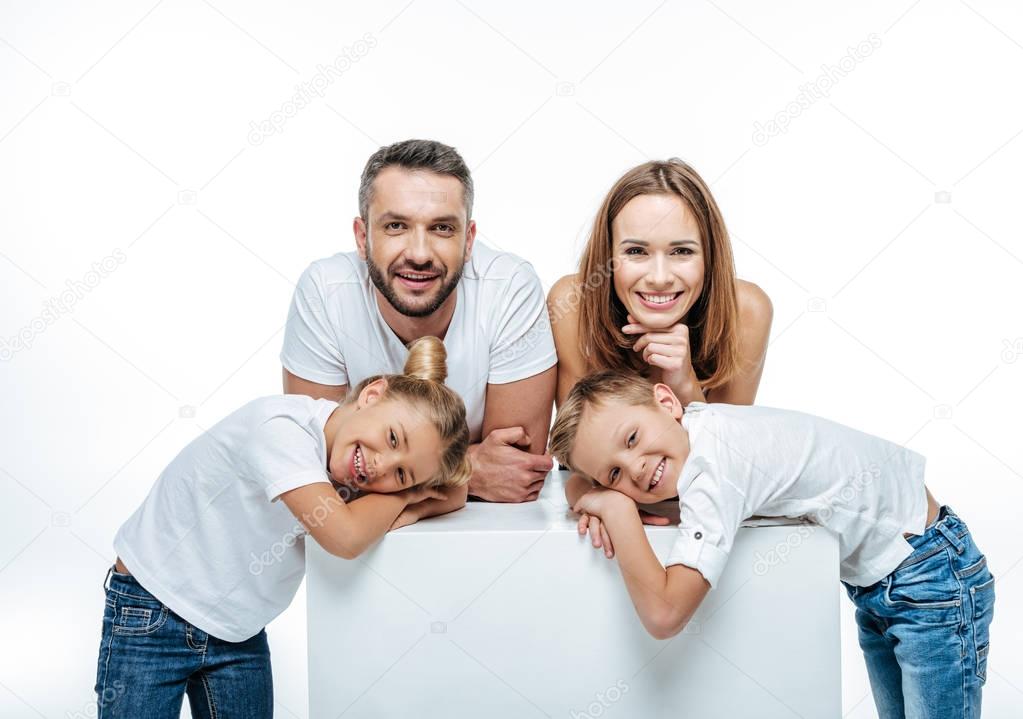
(656, 293)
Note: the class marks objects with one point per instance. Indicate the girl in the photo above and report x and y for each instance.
(656, 293)
(211, 556)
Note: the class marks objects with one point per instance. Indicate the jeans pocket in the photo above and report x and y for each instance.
(928, 584)
(136, 616)
(982, 599)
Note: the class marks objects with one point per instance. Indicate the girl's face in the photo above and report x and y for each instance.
(659, 259)
(638, 450)
(386, 444)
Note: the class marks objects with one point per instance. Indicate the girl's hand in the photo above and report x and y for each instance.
(408, 516)
(667, 349)
(415, 495)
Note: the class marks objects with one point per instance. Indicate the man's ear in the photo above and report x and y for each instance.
(372, 392)
(361, 232)
(470, 239)
(666, 398)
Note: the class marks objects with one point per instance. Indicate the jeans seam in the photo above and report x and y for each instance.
(142, 631)
(106, 669)
(204, 678)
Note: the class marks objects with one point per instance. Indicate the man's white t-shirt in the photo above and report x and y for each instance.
(750, 460)
(211, 541)
(500, 331)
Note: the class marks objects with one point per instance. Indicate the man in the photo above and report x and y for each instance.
(419, 271)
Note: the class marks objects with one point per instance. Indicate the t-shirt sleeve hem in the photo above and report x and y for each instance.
(520, 372)
(276, 489)
(707, 559)
(328, 378)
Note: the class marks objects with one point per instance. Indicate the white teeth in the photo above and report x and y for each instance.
(659, 299)
(657, 475)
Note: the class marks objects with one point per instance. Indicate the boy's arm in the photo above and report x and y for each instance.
(665, 599)
(347, 530)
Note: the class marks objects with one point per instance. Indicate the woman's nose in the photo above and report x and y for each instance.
(659, 275)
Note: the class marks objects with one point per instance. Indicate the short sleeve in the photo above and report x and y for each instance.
(522, 344)
(711, 512)
(310, 346)
(281, 455)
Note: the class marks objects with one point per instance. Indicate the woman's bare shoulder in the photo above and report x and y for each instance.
(754, 304)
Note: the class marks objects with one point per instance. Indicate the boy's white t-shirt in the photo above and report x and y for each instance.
(500, 331)
(211, 541)
(751, 460)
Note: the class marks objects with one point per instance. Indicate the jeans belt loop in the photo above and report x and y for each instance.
(950, 536)
(106, 581)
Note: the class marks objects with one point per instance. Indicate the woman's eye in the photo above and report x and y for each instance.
(629, 251)
(684, 250)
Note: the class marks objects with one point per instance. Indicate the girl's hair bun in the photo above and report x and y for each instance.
(427, 359)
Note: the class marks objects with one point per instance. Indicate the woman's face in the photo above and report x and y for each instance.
(659, 255)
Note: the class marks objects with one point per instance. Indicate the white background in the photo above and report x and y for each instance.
(127, 127)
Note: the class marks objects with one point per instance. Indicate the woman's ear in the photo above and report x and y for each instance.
(666, 398)
(372, 392)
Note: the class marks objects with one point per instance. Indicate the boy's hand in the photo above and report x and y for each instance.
(598, 532)
(601, 500)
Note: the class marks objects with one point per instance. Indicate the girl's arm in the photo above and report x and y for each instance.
(665, 599)
(347, 530)
(432, 507)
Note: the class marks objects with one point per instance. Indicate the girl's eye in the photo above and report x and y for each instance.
(394, 439)
(631, 440)
(614, 475)
(401, 475)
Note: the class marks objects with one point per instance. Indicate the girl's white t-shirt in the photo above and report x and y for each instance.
(751, 460)
(211, 541)
(500, 331)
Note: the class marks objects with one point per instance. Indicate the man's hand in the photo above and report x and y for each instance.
(503, 472)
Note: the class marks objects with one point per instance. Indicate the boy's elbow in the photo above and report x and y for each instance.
(666, 624)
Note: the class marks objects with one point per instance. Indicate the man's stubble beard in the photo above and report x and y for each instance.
(380, 282)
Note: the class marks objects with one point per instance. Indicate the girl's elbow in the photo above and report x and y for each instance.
(666, 625)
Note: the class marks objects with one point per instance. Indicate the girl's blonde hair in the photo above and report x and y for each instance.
(423, 384)
(712, 321)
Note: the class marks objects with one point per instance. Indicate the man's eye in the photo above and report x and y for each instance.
(394, 226)
(444, 228)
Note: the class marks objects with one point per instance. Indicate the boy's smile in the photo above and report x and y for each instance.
(637, 450)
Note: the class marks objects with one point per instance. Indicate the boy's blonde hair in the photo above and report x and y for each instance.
(599, 388)
(423, 384)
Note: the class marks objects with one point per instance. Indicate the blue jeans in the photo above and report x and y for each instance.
(924, 628)
(149, 657)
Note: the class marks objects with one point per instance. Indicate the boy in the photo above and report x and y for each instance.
(923, 592)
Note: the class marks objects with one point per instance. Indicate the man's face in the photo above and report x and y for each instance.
(416, 239)
(637, 450)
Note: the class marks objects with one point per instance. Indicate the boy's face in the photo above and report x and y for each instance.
(637, 450)
(387, 446)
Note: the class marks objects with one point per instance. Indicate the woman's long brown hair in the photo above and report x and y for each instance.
(712, 321)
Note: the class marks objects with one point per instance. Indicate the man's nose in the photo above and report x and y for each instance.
(418, 250)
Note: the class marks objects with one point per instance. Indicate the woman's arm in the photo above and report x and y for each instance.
(347, 530)
(755, 315)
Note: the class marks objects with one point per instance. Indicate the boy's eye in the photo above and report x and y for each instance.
(613, 476)
(401, 475)
(393, 438)
(631, 440)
